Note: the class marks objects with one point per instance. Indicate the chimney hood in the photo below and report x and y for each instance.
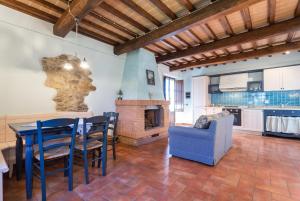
(235, 82)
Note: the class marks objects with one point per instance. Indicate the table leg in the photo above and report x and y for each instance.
(28, 166)
(19, 157)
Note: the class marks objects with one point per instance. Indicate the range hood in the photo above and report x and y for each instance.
(235, 82)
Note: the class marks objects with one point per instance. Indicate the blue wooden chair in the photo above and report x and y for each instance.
(112, 136)
(94, 138)
(56, 139)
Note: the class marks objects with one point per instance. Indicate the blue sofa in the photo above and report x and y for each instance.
(203, 145)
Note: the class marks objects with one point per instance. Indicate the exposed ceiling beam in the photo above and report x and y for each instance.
(297, 11)
(165, 9)
(209, 32)
(247, 18)
(181, 41)
(257, 34)
(290, 37)
(78, 8)
(226, 26)
(242, 56)
(271, 11)
(212, 11)
(22, 7)
(131, 4)
(124, 17)
(169, 44)
(188, 5)
(194, 36)
(49, 6)
(112, 23)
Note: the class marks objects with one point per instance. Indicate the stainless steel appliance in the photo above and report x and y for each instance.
(237, 113)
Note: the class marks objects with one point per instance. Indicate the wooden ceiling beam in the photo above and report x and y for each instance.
(188, 5)
(271, 11)
(103, 29)
(124, 17)
(162, 48)
(194, 36)
(49, 6)
(78, 8)
(242, 56)
(105, 20)
(96, 36)
(200, 16)
(131, 4)
(209, 32)
(247, 19)
(170, 45)
(290, 37)
(180, 40)
(257, 34)
(24, 8)
(165, 9)
(226, 26)
(297, 11)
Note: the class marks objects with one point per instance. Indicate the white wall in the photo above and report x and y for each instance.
(24, 40)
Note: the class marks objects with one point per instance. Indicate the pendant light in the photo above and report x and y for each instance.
(83, 64)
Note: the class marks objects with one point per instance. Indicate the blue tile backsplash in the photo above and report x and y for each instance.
(268, 98)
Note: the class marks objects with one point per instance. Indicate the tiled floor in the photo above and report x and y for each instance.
(256, 168)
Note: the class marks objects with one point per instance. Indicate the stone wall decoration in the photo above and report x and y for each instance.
(72, 86)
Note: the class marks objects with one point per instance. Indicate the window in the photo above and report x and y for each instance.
(179, 96)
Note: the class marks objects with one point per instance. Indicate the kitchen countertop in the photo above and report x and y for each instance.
(264, 107)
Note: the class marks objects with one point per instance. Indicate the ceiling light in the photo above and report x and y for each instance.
(287, 52)
(68, 66)
(84, 64)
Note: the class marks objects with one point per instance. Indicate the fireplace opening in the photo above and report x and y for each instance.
(153, 117)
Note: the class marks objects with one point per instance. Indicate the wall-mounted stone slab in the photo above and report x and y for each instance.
(72, 86)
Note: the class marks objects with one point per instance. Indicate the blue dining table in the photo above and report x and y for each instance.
(28, 132)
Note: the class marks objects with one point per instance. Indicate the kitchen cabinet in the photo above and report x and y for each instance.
(200, 96)
(252, 120)
(282, 79)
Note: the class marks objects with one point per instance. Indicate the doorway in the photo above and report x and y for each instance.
(169, 92)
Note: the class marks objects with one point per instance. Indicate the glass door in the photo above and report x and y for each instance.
(169, 92)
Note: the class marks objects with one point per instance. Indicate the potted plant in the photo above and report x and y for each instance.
(120, 94)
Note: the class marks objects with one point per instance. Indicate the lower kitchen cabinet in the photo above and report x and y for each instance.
(252, 120)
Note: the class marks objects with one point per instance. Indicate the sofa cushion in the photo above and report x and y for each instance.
(203, 121)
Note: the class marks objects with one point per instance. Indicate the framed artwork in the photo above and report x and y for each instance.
(150, 77)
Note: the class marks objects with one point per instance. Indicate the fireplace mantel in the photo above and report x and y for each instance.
(131, 125)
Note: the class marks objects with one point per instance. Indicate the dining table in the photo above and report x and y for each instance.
(27, 132)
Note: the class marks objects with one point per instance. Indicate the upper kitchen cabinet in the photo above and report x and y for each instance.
(282, 79)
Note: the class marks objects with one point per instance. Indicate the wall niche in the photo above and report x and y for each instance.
(72, 86)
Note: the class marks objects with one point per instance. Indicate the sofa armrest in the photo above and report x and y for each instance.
(191, 132)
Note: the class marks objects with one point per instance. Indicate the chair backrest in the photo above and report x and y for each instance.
(54, 131)
(113, 121)
(94, 125)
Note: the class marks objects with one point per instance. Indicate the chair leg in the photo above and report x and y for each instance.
(70, 174)
(86, 166)
(94, 156)
(66, 166)
(43, 180)
(99, 158)
(114, 149)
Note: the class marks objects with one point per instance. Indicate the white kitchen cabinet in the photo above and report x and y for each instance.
(252, 120)
(282, 79)
(291, 78)
(200, 96)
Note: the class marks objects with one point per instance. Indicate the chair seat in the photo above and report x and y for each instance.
(53, 153)
(89, 146)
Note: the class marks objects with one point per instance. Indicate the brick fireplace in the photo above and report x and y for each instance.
(142, 121)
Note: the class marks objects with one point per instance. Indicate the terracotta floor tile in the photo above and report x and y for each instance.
(255, 169)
